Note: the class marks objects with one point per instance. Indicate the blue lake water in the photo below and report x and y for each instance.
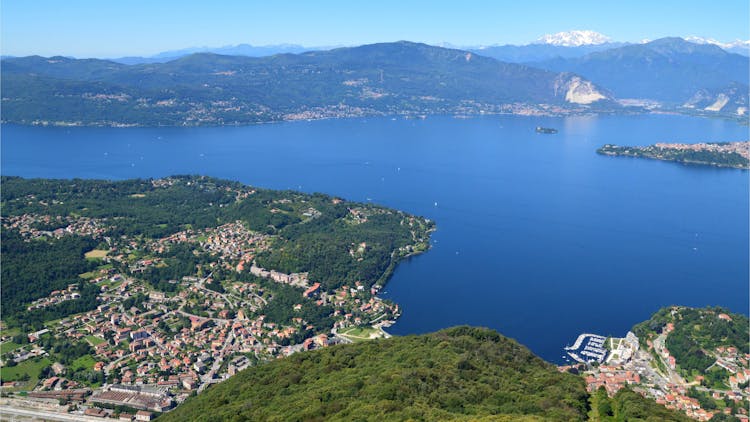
(538, 236)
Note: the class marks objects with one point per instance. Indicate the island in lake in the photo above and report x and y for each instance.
(546, 130)
(721, 154)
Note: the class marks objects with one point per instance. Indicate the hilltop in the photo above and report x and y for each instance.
(459, 373)
(706, 345)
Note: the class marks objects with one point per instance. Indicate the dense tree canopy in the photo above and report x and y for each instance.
(31, 270)
(628, 405)
(459, 373)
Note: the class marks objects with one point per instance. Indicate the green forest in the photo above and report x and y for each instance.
(33, 269)
(459, 373)
(697, 333)
(627, 405)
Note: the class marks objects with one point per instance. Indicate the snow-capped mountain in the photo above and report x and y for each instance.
(574, 39)
(736, 46)
(725, 45)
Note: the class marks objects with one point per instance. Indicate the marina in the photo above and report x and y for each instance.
(588, 348)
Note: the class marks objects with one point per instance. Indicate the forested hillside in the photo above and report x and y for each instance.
(459, 373)
(387, 78)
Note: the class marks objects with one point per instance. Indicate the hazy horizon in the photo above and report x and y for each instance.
(90, 29)
(446, 44)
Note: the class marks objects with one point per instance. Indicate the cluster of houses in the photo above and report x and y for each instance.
(294, 279)
(135, 351)
(664, 352)
(612, 378)
(55, 297)
(735, 363)
(28, 225)
(233, 241)
(676, 399)
(741, 148)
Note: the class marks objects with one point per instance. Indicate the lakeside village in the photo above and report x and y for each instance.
(652, 371)
(740, 148)
(153, 350)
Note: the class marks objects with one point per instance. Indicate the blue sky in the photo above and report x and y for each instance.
(105, 28)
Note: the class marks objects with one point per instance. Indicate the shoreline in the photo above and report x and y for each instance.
(735, 155)
(742, 120)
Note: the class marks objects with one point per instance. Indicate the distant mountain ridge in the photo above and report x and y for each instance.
(376, 79)
(230, 50)
(670, 70)
(574, 38)
(203, 88)
(572, 44)
(736, 46)
(537, 52)
(567, 44)
(733, 97)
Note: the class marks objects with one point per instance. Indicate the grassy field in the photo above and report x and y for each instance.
(7, 346)
(96, 254)
(94, 340)
(9, 331)
(89, 275)
(31, 367)
(84, 362)
(52, 323)
(360, 333)
(96, 273)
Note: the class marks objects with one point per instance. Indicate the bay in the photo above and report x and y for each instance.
(538, 236)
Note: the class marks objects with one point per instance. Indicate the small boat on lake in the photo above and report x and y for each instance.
(547, 130)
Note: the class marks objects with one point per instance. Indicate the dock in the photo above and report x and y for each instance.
(588, 348)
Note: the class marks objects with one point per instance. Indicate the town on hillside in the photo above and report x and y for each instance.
(142, 350)
(647, 366)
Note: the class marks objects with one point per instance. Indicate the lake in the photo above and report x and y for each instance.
(538, 236)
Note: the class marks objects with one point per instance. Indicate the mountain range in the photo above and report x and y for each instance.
(203, 88)
(229, 50)
(376, 79)
(736, 46)
(567, 44)
(532, 53)
(671, 70)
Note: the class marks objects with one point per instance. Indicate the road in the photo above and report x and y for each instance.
(640, 364)
(659, 345)
(219, 321)
(207, 379)
(8, 413)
